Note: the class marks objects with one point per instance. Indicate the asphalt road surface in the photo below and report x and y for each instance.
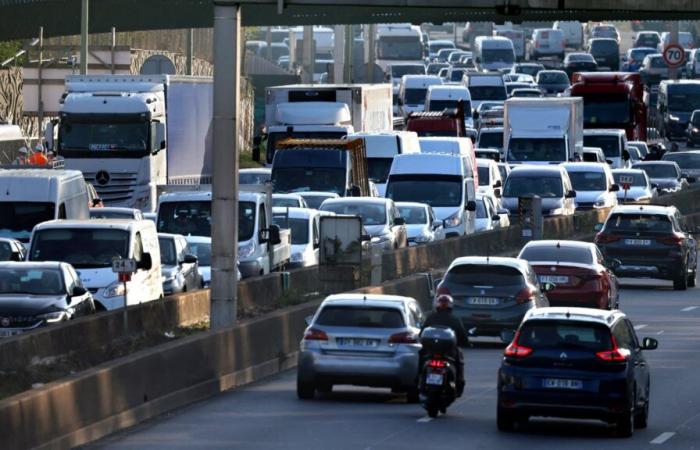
(268, 415)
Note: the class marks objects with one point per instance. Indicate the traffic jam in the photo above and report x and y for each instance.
(468, 125)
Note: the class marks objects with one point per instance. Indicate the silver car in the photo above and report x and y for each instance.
(364, 340)
(421, 224)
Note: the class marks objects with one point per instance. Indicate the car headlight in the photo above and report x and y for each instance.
(115, 289)
(246, 251)
(422, 238)
(600, 202)
(673, 118)
(381, 239)
(52, 317)
(454, 220)
(694, 130)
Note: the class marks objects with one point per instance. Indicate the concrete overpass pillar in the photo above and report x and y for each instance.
(339, 59)
(84, 35)
(224, 229)
(308, 55)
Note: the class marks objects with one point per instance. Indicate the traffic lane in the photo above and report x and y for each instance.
(268, 415)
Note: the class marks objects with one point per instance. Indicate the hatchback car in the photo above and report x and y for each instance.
(179, 265)
(641, 146)
(550, 183)
(634, 58)
(647, 39)
(688, 161)
(635, 186)
(492, 294)
(575, 363)
(488, 216)
(490, 182)
(650, 242)
(577, 270)
(606, 53)
(304, 225)
(362, 340)
(33, 295)
(422, 226)
(553, 82)
(594, 185)
(666, 175)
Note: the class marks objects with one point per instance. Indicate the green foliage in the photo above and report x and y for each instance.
(8, 49)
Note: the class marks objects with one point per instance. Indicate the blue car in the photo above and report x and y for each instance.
(575, 363)
(634, 58)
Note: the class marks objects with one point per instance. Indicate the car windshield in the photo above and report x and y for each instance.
(81, 247)
(437, 46)
(399, 71)
(543, 186)
(637, 178)
(529, 70)
(659, 170)
(17, 219)
(298, 226)
(581, 57)
(658, 62)
(484, 175)
(609, 144)
(415, 96)
(525, 150)
(491, 140)
(101, 213)
(253, 178)
(202, 250)
(6, 251)
(413, 215)
(484, 275)
(588, 181)
(193, 218)
(684, 160)
(638, 223)
(360, 317)
(378, 169)
(488, 92)
(639, 54)
(435, 190)
(552, 78)
(31, 282)
(497, 55)
(371, 213)
(314, 201)
(168, 254)
(605, 109)
(285, 202)
(441, 105)
(397, 48)
(549, 334)
(104, 137)
(558, 253)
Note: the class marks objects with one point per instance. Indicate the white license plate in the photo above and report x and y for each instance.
(357, 342)
(483, 301)
(556, 279)
(638, 242)
(434, 379)
(558, 383)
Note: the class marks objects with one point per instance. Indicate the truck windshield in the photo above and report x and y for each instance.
(103, 137)
(396, 48)
(299, 179)
(497, 55)
(441, 105)
(609, 144)
(378, 169)
(81, 247)
(17, 219)
(488, 92)
(274, 138)
(298, 227)
(193, 218)
(526, 150)
(685, 98)
(545, 187)
(606, 110)
(414, 96)
(435, 190)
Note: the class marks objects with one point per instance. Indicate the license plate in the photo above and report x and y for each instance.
(434, 379)
(483, 301)
(558, 383)
(357, 342)
(638, 242)
(556, 279)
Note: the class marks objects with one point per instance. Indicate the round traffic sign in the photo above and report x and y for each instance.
(674, 55)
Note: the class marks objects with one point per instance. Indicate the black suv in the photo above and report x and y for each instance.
(575, 363)
(606, 53)
(649, 242)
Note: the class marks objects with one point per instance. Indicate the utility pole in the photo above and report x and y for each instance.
(673, 72)
(349, 48)
(339, 49)
(227, 71)
(40, 81)
(308, 60)
(84, 26)
(190, 51)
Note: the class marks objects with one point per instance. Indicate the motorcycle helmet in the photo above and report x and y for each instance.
(444, 302)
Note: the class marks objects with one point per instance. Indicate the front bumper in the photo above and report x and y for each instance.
(250, 268)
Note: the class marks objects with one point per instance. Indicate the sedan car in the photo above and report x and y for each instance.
(36, 294)
(635, 186)
(421, 224)
(650, 242)
(492, 294)
(594, 185)
(363, 340)
(579, 62)
(575, 363)
(577, 270)
(688, 161)
(666, 175)
(179, 266)
(12, 250)
(553, 82)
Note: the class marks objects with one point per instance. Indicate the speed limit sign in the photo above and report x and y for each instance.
(674, 55)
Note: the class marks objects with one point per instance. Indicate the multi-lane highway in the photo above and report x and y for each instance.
(268, 414)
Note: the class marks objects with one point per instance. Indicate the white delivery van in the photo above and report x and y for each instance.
(494, 53)
(485, 87)
(32, 196)
(573, 33)
(380, 149)
(517, 36)
(90, 246)
(546, 42)
(440, 98)
(442, 181)
(413, 90)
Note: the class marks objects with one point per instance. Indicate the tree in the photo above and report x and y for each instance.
(8, 49)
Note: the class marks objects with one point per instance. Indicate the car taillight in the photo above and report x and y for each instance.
(605, 238)
(515, 350)
(437, 364)
(313, 334)
(525, 295)
(673, 239)
(442, 290)
(403, 338)
(616, 354)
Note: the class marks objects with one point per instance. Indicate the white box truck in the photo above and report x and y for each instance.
(128, 134)
(325, 111)
(543, 130)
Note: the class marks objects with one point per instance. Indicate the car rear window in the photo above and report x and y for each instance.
(486, 274)
(360, 316)
(639, 222)
(559, 254)
(545, 334)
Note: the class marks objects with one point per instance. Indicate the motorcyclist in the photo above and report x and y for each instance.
(443, 317)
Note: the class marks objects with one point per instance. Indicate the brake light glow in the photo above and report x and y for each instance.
(403, 338)
(525, 295)
(604, 238)
(515, 350)
(672, 239)
(616, 354)
(313, 334)
(437, 364)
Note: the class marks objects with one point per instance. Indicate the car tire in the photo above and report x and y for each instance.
(412, 395)
(642, 417)
(692, 278)
(433, 411)
(305, 390)
(625, 424)
(505, 420)
(325, 388)
(681, 283)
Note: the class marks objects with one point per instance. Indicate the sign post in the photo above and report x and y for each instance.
(626, 182)
(124, 268)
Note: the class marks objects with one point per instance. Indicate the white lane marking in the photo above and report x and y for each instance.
(640, 326)
(424, 419)
(689, 308)
(663, 437)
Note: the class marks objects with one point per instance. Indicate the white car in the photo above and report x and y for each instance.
(421, 224)
(640, 188)
(288, 201)
(314, 199)
(488, 216)
(201, 248)
(594, 185)
(304, 225)
(490, 181)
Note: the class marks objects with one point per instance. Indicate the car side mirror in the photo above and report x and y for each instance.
(498, 184)
(614, 188)
(609, 161)
(654, 186)
(160, 135)
(625, 155)
(365, 237)
(495, 218)
(649, 344)
(547, 287)
(436, 224)
(598, 227)
(398, 221)
(571, 194)
(471, 206)
(690, 179)
(190, 259)
(613, 263)
(146, 262)
(79, 291)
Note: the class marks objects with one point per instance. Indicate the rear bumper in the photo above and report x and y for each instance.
(490, 322)
(576, 298)
(666, 268)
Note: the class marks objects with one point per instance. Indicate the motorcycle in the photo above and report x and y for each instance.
(438, 378)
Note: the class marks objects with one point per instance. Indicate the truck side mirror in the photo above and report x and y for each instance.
(274, 235)
(471, 205)
(48, 134)
(257, 141)
(16, 256)
(160, 136)
(146, 262)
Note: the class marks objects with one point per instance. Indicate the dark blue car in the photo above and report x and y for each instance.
(575, 363)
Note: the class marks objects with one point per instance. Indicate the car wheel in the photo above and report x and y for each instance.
(433, 411)
(412, 395)
(642, 417)
(625, 424)
(325, 388)
(692, 278)
(505, 420)
(681, 283)
(305, 390)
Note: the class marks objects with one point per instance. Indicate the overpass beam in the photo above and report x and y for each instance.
(84, 26)
(227, 68)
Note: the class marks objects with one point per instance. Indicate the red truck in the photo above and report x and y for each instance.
(612, 100)
(448, 123)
